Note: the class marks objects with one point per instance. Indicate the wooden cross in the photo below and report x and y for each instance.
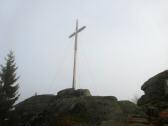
(75, 51)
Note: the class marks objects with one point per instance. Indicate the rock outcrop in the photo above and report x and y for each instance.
(155, 100)
(155, 89)
(77, 107)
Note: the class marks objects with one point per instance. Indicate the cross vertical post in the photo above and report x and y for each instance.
(75, 55)
(75, 52)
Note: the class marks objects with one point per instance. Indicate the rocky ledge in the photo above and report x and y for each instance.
(76, 108)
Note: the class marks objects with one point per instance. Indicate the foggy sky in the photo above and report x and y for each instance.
(125, 43)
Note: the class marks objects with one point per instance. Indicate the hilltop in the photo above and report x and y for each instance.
(79, 108)
(75, 107)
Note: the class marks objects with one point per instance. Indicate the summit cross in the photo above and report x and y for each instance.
(75, 52)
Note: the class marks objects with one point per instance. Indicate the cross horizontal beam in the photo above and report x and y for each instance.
(73, 34)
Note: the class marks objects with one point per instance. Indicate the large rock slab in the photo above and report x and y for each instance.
(155, 89)
(77, 107)
(34, 104)
(31, 107)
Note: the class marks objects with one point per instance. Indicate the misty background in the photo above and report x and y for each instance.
(124, 44)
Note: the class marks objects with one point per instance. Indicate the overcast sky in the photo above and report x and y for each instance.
(125, 43)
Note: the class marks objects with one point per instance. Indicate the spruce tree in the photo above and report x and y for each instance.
(3, 109)
(8, 84)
